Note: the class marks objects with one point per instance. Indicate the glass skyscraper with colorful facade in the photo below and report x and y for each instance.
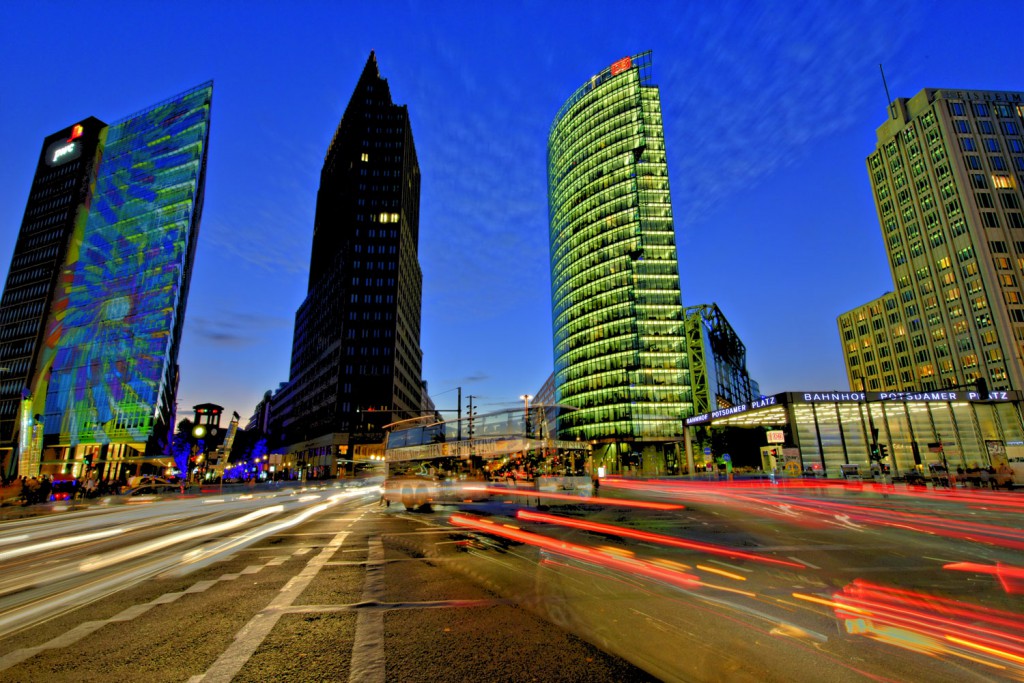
(101, 364)
(619, 341)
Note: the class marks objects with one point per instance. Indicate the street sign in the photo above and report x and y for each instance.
(726, 457)
(707, 450)
(776, 436)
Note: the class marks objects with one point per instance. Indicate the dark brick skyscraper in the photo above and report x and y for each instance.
(356, 358)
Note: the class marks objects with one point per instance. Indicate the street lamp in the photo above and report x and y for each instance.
(526, 412)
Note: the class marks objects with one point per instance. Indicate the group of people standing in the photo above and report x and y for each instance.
(43, 488)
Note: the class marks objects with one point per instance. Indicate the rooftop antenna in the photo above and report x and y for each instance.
(887, 97)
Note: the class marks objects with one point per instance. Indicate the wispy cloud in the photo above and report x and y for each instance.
(729, 116)
(235, 329)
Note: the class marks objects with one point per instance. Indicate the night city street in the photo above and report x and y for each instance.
(650, 580)
(543, 342)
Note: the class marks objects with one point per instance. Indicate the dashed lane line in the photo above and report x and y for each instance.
(252, 635)
(367, 665)
(86, 629)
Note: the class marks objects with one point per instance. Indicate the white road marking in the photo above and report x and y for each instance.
(367, 664)
(731, 566)
(128, 614)
(259, 627)
(804, 562)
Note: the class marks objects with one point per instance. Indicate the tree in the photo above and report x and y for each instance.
(181, 449)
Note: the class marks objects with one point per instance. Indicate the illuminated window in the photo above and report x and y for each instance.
(364, 157)
(1002, 181)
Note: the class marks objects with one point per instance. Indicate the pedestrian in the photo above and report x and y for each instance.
(986, 478)
(32, 496)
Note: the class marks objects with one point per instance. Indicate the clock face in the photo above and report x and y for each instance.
(213, 431)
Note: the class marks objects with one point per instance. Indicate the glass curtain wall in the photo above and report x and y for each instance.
(827, 418)
(619, 345)
(972, 446)
(802, 418)
(108, 363)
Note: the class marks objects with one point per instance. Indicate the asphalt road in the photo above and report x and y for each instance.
(726, 582)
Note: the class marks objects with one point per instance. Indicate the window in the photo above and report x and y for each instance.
(990, 219)
(364, 157)
(967, 145)
(984, 200)
(1009, 127)
(973, 162)
(980, 109)
(998, 163)
(957, 109)
(1002, 181)
(991, 144)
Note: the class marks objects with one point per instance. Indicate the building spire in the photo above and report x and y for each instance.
(371, 66)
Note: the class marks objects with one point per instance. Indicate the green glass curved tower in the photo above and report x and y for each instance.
(619, 341)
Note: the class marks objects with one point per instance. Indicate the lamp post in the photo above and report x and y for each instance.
(526, 412)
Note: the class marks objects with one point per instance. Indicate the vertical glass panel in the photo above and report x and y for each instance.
(921, 425)
(879, 422)
(1010, 422)
(854, 437)
(899, 433)
(945, 433)
(802, 419)
(986, 415)
(972, 446)
(831, 438)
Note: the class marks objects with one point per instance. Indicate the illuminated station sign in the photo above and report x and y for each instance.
(949, 396)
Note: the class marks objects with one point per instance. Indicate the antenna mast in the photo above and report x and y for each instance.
(886, 86)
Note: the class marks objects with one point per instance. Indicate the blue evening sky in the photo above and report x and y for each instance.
(770, 110)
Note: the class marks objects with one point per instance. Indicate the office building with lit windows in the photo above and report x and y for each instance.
(619, 343)
(94, 303)
(947, 177)
(356, 362)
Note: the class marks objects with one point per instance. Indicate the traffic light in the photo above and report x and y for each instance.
(883, 451)
(875, 452)
(88, 460)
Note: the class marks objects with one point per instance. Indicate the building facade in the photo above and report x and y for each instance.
(718, 360)
(914, 433)
(94, 303)
(947, 178)
(619, 343)
(356, 360)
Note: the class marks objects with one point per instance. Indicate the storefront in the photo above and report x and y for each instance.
(905, 431)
